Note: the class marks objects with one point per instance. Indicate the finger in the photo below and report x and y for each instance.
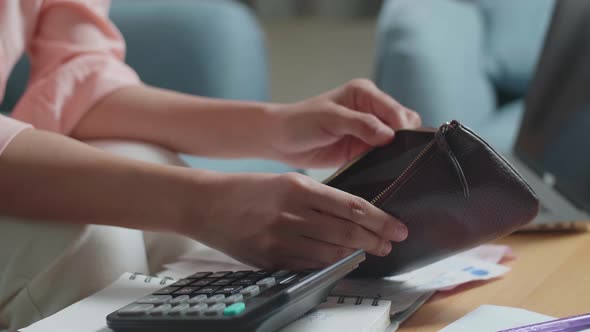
(340, 204)
(344, 150)
(370, 98)
(366, 127)
(355, 148)
(391, 112)
(342, 233)
(352, 147)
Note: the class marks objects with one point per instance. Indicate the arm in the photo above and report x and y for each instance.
(326, 130)
(181, 122)
(46, 176)
(301, 223)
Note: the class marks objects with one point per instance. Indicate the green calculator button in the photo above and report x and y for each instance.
(234, 309)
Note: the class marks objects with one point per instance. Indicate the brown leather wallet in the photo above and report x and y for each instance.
(450, 188)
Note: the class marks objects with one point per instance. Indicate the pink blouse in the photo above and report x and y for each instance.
(76, 57)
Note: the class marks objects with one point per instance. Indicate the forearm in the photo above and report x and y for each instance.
(181, 122)
(49, 177)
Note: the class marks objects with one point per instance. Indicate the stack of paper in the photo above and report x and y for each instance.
(345, 315)
(407, 292)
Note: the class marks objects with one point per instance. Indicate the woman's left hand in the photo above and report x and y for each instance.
(337, 126)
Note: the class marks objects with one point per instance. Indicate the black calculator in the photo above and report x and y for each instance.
(232, 300)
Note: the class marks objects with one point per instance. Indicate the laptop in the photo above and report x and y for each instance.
(552, 150)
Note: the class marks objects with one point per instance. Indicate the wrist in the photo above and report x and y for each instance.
(266, 130)
(217, 203)
(155, 197)
(276, 133)
(199, 201)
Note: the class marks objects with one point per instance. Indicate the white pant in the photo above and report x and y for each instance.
(45, 267)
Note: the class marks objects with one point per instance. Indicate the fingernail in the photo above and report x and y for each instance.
(401, 233)
(386, 131)
(386, 248)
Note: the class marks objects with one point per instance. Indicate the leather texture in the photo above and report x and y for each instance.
(451, 189)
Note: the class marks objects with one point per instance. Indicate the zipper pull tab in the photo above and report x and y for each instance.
(449, 126)
(444, 127)
(441, 141)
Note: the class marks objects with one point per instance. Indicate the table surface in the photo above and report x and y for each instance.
(550, 275)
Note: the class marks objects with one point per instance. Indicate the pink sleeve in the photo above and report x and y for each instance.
(9, 128)
(76, 58)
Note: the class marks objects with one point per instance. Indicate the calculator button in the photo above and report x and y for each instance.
(246, 281)
(183, 282)
(197, 309)
(155, 299)
(199, 275)
(135, 309)
(166, 291)
(160, 310)
(229, 290)
(186, 290)
(207, 290)
(234, 309)
(219, 274)
(175, 311)
(215, 310)
(250, 291)
(259, 274)
(223, 281)
(234, 298)
(203, 282)
(238, 274)
(179, 299)
(266, 282)
(282, 274)
(198, 299)
(216, 298)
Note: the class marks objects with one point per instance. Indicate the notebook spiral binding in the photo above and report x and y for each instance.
(359, 300)
(148, 278)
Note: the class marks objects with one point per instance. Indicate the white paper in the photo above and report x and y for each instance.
(476, 264)
(491, 253)
(450, 272)
(343, 317)
(493, 318)
(89, 314)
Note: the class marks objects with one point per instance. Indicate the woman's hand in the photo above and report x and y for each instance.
(335, 127)
(289, 221)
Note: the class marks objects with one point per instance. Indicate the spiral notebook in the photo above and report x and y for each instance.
(357, 314)
(88, 315)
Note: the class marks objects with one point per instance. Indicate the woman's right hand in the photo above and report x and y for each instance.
(289, 221)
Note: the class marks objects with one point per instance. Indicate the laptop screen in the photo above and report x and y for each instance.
(554, 137)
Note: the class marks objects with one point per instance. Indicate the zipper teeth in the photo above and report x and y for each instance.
(420, 155)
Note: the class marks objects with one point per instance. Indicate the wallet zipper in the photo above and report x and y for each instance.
(440, 140)
(421, 155)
